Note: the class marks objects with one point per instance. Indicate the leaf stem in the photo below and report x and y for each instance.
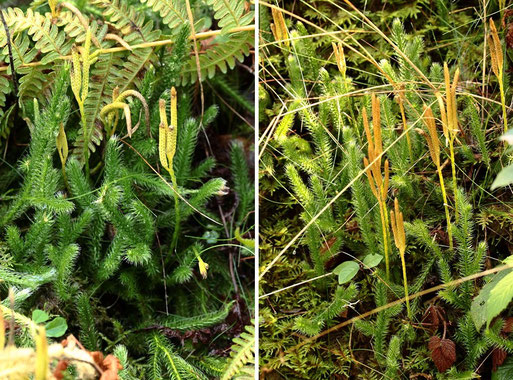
(454, 179)
(405, 281)
(446, 206)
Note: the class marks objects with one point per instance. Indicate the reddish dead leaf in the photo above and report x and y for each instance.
(443, 352)
(333, 261)
(509, 28)
(432, 316)
(424, 375)
(440, 235)
(97, 357)
(59, 369)
(498, 357)
(351, 225)
(111, 366)
(328, 244)
(498, 354)
(108, 366)
(508, 325)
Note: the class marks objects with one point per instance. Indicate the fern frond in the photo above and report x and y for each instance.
(242, 353)
(32, 79)
(130, 75)
(5, 89)
(230, 13)
(173, 13)
(222, 57)
(76, 30)
(47, 36)
(124, 18)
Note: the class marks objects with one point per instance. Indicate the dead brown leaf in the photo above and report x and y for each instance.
(443, 352)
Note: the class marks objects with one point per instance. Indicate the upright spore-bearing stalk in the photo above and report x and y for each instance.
(434, 150)
(378, 183)
(450, 123)
(497, 59)
(167, 149)
(397, 223)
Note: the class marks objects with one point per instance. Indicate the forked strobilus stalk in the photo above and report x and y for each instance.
(497, 59)
(110, 117)
(449, 113)
(397, 222)
(434, 150)
(279, 28)
(167, 149)
(340, 58)
(82, 59)
(378, 182)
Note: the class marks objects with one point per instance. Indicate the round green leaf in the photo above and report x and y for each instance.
(211, 236)
(40, 316)
(56, 328)
(346, 271)
(372, 260)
